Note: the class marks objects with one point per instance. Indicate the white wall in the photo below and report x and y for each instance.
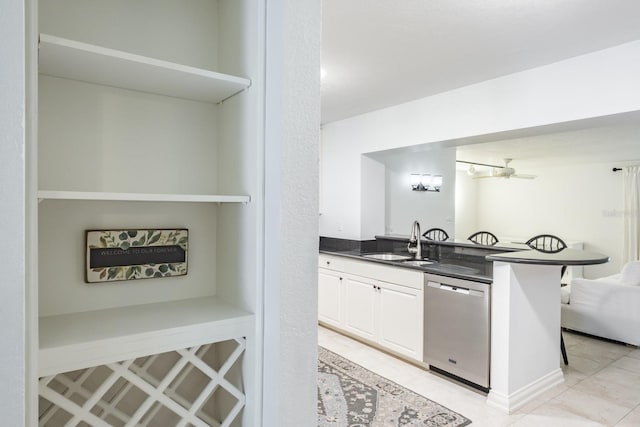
(373, 195)
(466, 205)
(431, 209)
(291, 205)
(12, 213)
(575, 202)
(593, 85)
(341, 185)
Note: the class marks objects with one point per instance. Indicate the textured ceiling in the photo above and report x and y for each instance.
(378, 53)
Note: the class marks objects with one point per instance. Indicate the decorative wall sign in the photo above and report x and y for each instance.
(114, 255)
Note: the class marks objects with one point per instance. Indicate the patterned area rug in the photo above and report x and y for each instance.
(350, 395)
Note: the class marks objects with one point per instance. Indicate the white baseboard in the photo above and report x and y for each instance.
(512, 402)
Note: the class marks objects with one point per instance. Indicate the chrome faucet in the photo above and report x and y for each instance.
(414, 246)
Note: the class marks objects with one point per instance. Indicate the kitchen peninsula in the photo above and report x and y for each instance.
(376, 292)
(525, 323)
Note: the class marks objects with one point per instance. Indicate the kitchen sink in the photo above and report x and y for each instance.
(387, 257)
(418, 262)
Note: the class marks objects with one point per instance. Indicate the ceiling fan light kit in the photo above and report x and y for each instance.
(495, 171)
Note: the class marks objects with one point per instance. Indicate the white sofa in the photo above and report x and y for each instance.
(608, 307)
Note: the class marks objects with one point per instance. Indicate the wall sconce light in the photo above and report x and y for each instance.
(426, 182)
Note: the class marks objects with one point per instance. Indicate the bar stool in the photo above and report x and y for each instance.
(435, 234)
(483, 238)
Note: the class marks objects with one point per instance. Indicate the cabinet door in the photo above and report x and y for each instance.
(401, 319)
(360, 307)
(330, 308)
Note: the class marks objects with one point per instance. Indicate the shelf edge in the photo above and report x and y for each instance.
(71, 357)
(141, 197)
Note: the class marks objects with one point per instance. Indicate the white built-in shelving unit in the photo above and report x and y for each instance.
(149, 116)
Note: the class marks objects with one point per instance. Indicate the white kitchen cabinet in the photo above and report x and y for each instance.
(149, 116)
(401, 319)
(361, 307)
(388, 314)
(330, 301)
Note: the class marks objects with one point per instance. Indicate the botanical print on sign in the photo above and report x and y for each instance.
(114, 255)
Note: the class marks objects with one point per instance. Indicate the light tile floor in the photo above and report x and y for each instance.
(602, 385)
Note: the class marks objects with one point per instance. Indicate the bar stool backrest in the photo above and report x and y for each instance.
(435, 234)
(483, 238)
(547, 243)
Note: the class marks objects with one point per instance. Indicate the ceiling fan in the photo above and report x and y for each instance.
(495, 171)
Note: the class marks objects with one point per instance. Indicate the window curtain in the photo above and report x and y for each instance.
(631, 178)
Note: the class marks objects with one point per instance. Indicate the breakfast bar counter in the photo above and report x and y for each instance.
(567, 256)
(525, 323)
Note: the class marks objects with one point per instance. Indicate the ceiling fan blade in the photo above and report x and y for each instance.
(521, 176)
(505, 172)
(485, 176)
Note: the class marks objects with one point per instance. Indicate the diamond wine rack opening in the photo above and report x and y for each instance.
(198, 386)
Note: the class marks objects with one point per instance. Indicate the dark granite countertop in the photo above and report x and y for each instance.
(567, 256)
(463, 259)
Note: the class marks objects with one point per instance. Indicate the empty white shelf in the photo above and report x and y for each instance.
(80, 340)
(141, 197)
(75, 60)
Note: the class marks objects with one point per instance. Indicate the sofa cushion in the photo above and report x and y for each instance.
(565, 293)
(631, 273)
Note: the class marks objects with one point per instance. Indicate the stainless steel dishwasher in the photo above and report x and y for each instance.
(457, 327)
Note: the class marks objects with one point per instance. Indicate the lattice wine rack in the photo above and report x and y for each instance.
(199, 386)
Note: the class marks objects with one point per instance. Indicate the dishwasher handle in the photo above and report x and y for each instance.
(456, 289)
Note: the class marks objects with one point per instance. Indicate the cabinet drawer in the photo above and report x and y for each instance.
(330, 262)
(386, 273)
